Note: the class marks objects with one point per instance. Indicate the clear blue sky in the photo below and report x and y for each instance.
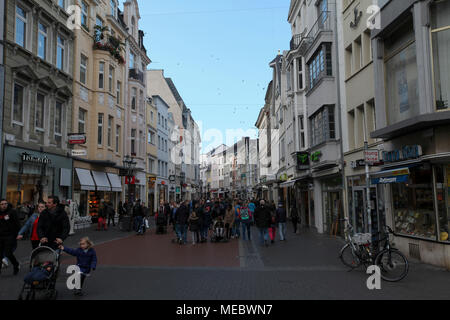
(217, 53)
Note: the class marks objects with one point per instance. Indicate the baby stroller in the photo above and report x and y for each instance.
(41, 281)
(218, 231)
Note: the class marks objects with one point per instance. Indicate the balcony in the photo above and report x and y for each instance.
(136, 75)
(303, 43)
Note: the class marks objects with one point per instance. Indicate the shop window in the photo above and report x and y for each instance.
(443, 200)
(413, 204)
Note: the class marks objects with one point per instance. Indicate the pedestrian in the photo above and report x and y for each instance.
(161, 218)
(263, 221)
(101, 216)
(194, 227)
(229, 221)
(138, 214)
(86, 260)
(207, 221)
(181, 220)
(53, 226)
(294, 217)
(111, 213)
(237, 222)
(245, 218)
(281, 220)
(9, 227)
(273, 226)
(30, 227)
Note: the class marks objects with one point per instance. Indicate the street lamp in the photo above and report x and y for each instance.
(130, 165)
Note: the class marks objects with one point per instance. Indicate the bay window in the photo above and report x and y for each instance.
(322, 125)
(320, 65)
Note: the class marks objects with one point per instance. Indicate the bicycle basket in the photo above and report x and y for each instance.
(362, 238)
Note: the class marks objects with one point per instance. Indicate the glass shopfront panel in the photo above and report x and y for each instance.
(443, 201)
(413, 204)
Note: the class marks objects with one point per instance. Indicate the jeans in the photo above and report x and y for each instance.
(282, 227)
(111, 218)
(246, 228)
(236, 228)
(181, 231)
(263, 235)
(139, 224)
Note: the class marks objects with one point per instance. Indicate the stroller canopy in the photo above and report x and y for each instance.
(43, 254)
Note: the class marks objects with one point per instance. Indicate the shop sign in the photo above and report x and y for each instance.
(315, 157)
(130, 180)
(79, 153)
(30, 158)
(178, 190)
(302, 161)
(388, 180)
(372, 156)
(358, 163)
(284, 177)
(405, 153)
(77, 138)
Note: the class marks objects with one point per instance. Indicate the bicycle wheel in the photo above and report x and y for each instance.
(393, 265)
(349, 257)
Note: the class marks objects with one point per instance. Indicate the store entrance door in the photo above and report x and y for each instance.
(359, 220)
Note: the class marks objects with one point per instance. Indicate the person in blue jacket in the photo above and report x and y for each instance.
(86, 259)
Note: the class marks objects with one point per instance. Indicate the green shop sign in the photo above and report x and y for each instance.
(315, 157)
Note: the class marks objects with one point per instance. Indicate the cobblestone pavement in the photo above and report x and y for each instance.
(306, 266)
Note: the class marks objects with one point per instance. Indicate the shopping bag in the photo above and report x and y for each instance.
(147, 225)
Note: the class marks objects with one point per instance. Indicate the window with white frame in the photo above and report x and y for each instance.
(60, 52)
(133, 141)
(118, 93)
(18, 105)
(320, 65)
(42, 41)
(40, 112)
(100, 129)
(101, 75)
(300, 74)
(117, 138)
(151, 165)
(111, 78)
(98, 23)
(82, 120)
(58, 118)
(133, 98)
(84, 14)
(21, 26)
(302, 132)
(110, 126)
(322, 125)
(83, 69)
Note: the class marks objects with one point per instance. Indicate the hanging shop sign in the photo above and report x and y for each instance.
(358, 163)
(405, 153)
(34, 159)
(284, 177)
(302, 161)
(76, 138)
(372, 156)
(178, 190)
(172, 178)
(79, 153)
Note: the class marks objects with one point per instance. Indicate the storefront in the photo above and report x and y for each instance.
(163, 189)
(94, 183)
(332, 205)
(30, 176)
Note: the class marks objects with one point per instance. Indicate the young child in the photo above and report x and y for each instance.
(86, 259)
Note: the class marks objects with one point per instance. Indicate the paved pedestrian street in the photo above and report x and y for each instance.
(306, 266)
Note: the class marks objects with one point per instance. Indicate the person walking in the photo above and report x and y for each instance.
(30, 227)
(9, 227)
(101, 223)
(281, 220)
(194, 226)
(181, 220)
(262, 221)
(245, 218)
(111, 213)
(161, 218)
(53, 226)
(237, 221)
(86, 259)
(138, 214)
(229, 221)
(294, 217)
(206, 221)
(273, 226)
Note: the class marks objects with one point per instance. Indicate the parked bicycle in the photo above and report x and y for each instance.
(359, 250)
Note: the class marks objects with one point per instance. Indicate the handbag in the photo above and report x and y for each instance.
(146, 223)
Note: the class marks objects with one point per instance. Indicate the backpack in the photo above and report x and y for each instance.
(244, 214)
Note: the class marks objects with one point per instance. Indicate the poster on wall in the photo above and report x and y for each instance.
(402, 83)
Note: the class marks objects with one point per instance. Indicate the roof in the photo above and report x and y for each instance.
(174, 90)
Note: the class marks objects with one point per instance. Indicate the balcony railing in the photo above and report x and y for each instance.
(136, 75)
(303, 43)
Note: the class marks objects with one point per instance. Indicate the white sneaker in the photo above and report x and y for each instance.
(5, 263)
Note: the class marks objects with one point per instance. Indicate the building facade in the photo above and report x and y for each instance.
(162, 180)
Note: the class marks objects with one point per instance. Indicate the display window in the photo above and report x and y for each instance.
(413, 204)
(443, 201)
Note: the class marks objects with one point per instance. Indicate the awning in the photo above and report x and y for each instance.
(390, 176)
(65, 177)
(86, 181)
(114, 179)
(101, 181)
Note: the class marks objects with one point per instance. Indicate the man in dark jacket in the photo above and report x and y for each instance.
(281, 220)
(111, 213)
(54, 225)
(138, 214)
(9, 228)
(181, 220)
(161, 217)
(262, 221)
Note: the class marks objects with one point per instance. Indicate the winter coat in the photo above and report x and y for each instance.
(294, 213)
(9, 223)
(28, 226)
(182, 215)
(53, 225)
(85, 260)
(281, 215)
(138, 211)
(263, 217)
(194, 223)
